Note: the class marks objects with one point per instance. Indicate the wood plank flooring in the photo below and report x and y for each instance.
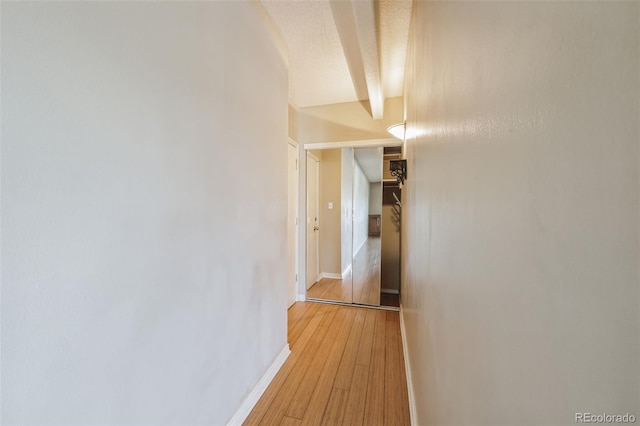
(362, 285)
(346, 368)
(332, 289)
(366, 273)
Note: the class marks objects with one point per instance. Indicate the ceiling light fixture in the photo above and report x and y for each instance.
(397, 130)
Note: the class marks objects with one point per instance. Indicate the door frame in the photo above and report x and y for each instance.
(296, 229)
(302, 192)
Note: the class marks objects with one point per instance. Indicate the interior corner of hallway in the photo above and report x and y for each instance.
(521, 219)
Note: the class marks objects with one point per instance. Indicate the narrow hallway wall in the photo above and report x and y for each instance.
(520, 232)
(144, 206)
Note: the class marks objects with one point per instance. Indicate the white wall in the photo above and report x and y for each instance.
(143, 210)
(346, 177)
(375, 198)
(521, 236)
(360, 208)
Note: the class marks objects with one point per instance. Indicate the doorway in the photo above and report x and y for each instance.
(346, 223)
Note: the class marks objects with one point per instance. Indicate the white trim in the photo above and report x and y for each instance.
(370, 143)
(346, 272)
(330, 275)
(407, 368)
(250, 401)
(300, 297)
(389, 291)
(316, 159)
(302, 219)
(296, 237)
(353, 305)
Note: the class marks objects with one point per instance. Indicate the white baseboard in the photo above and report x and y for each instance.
(250, 401)
(300, 297)
(346, 272)
(389, 291)
(412, 400)
(330, 275)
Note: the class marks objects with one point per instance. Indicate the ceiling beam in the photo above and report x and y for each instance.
(365, 18)
(356, 24)
(346, 26)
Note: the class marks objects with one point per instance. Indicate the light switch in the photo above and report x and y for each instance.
(330, 205)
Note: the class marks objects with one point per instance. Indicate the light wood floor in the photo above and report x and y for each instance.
(346, 368)
(363, 283)
(366, 273)
(332, 289)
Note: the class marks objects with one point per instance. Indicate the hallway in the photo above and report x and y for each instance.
(346, 367)
(147, 183)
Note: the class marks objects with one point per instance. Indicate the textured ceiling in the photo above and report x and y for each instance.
(343, 51)
(370, 161)
(395, 16)
(318, 71)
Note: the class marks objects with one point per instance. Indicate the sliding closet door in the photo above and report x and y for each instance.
(332, 226)
(367, 208)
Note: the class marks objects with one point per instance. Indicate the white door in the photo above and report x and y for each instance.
(312, 221)
(292, 214)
